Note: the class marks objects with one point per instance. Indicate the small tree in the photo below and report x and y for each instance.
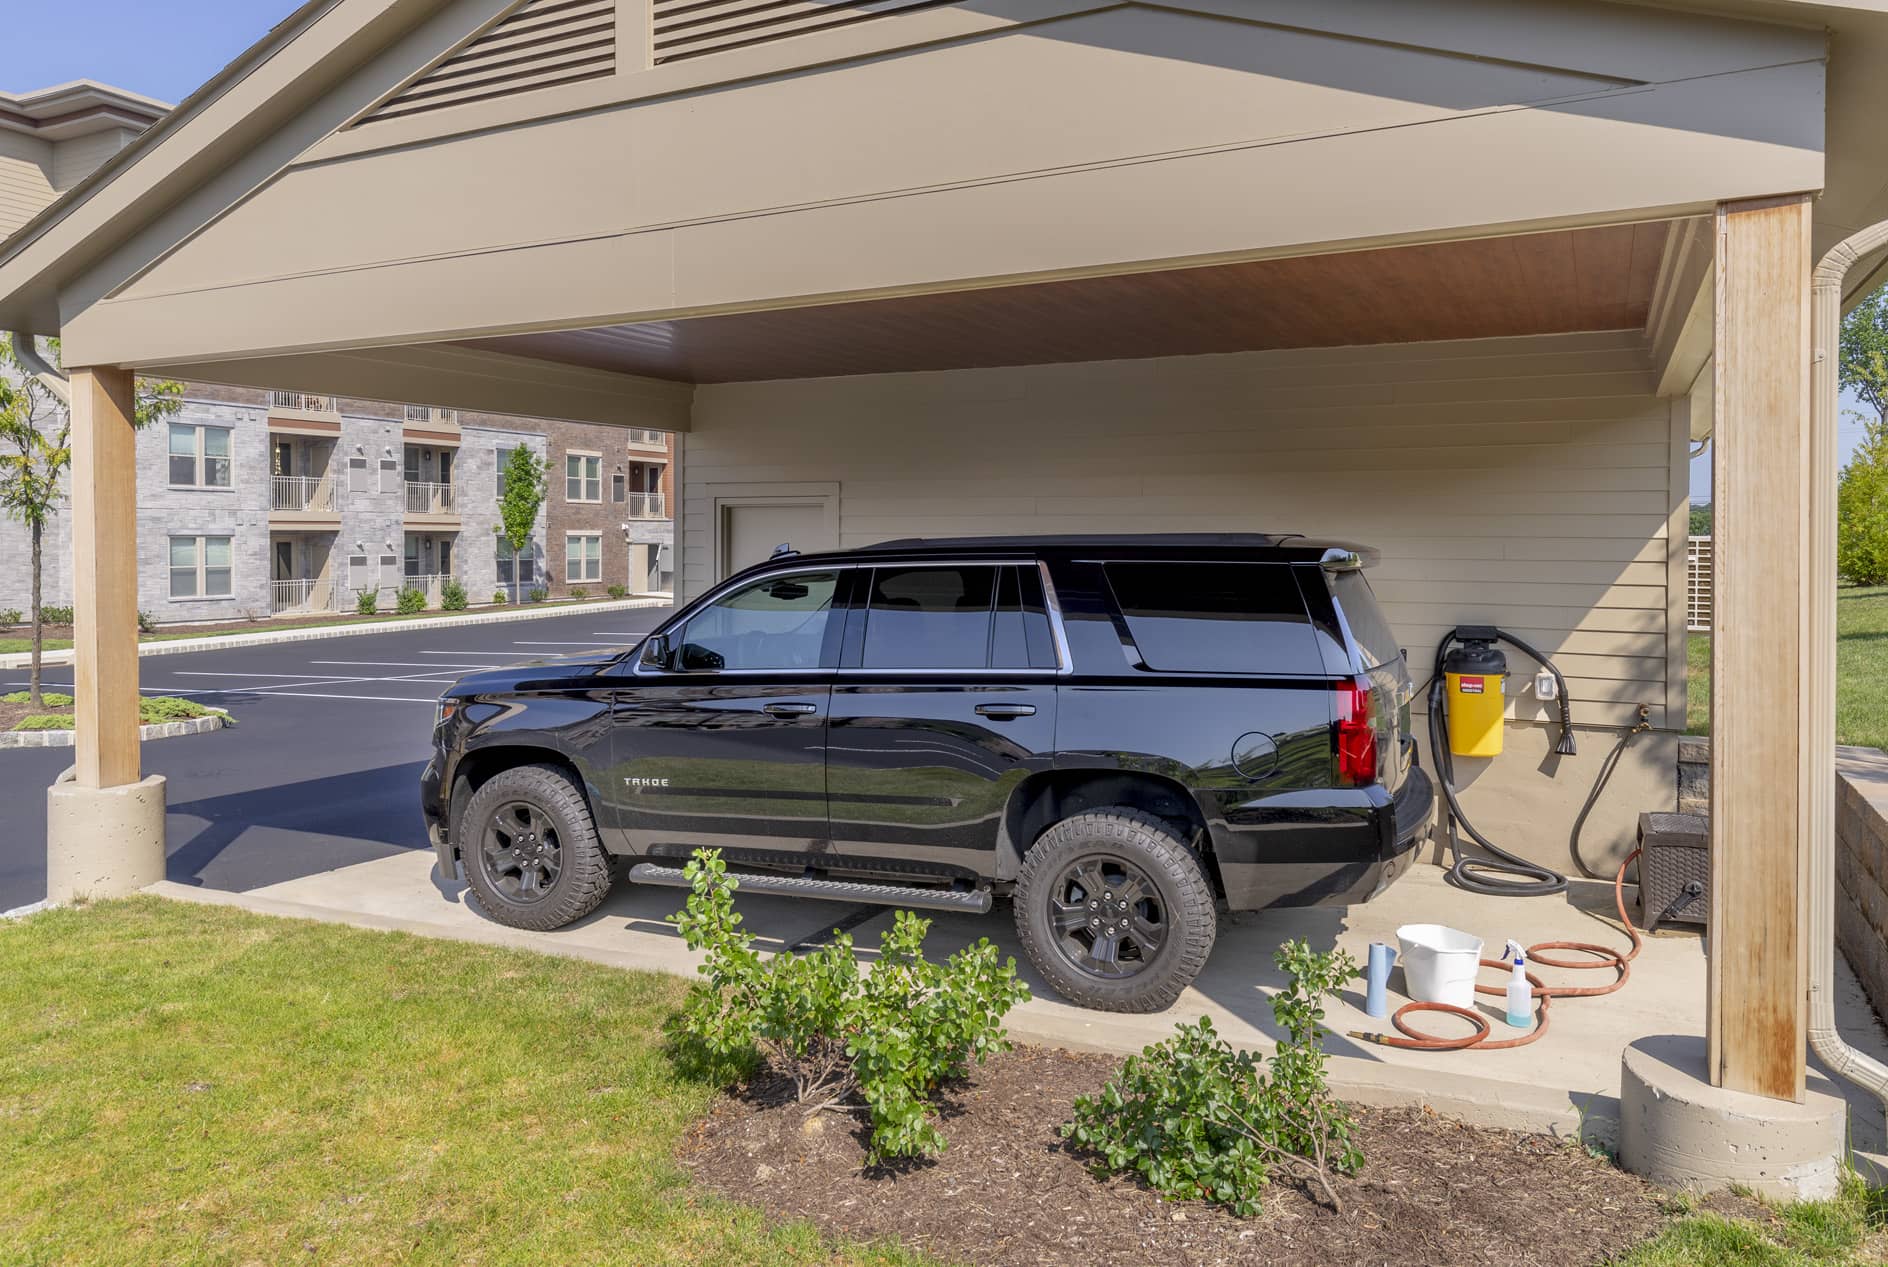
(1862, 495)
(1701, 519)
(519, 503)
(1862, 511)
(35, 453)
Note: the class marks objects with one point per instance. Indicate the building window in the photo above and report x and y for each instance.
(199, 456)
(583, 556)
(583, 477)
(412, 554)
(515, 568)
(504, 460)
(199, 567)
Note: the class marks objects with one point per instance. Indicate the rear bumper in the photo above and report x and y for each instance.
(1415, 808)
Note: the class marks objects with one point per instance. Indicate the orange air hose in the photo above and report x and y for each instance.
(1602, 957)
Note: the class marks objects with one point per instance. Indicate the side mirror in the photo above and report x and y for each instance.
(655, 652)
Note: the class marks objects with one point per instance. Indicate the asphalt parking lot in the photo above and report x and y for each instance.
(323, 767)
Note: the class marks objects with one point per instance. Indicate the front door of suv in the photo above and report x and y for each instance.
(945, 701)
(726, 745)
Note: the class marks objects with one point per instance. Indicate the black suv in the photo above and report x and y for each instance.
(1117, 732)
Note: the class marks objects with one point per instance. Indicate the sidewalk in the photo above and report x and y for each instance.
(266, 637)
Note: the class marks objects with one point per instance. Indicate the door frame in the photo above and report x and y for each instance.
(724, 498)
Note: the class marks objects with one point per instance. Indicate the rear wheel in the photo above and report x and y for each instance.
(1116, 910)
(532, 858)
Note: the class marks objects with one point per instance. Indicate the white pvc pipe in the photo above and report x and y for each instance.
(1819, 754)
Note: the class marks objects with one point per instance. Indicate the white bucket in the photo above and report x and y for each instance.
(1439, 963)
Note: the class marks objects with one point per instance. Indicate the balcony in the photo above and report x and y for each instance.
(642, 438)
(648, 506)
(430, 504)
(302, 594)
(303, 502)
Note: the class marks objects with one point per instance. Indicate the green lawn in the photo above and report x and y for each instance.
(1861, 670)
(194, 1084)
(1846, 1232)
(9, 646)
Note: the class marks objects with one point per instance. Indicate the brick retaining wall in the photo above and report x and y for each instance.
(1862, 867)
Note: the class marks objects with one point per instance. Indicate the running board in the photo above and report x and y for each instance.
(973, 901)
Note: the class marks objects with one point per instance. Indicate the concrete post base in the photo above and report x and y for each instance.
(1678, 1130)
(103, 842)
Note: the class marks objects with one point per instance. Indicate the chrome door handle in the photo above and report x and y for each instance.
(1001, 711)
(790, 710)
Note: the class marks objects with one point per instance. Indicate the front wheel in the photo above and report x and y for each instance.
(1116, 910)
(532, 858)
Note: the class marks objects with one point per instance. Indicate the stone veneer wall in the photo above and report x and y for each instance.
(1862, 867)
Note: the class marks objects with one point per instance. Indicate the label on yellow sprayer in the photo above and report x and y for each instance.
(1469, 685)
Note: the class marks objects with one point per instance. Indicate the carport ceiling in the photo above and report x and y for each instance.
(1540, 283)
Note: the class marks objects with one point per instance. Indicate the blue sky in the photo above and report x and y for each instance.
(163, 50)
(167, 50)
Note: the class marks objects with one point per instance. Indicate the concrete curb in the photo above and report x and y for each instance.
(222, 642)
(156, 730)
(1479, 1101)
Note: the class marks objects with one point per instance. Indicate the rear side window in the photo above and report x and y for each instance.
(1359, 607)
(1216, 617)
(956, 618)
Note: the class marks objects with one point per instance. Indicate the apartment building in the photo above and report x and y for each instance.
(253, 503)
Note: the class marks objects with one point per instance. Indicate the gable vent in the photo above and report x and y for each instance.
(540, 44)
(695, 28)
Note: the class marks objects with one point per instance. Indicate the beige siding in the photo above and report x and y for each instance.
(1528, 483)
(25, 179)
(74, 160)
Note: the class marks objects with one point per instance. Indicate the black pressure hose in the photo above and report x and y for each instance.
(1502, 874)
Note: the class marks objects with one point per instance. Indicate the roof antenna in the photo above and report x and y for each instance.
(784, 550)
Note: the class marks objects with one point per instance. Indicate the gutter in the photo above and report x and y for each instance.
(43, 372)
(1819, 751)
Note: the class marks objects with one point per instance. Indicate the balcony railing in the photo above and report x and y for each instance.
(644, 438)
(309, 593)
(428, 583)
(303, 492)
(423, 498)
(302, 401)
(648, 506)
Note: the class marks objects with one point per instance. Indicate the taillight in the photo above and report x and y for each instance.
(1356, 732)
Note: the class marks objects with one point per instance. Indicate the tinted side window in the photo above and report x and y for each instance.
(1216, 617)
(778, 623)
(1021, 638)
(929, 618)
(1368, 625)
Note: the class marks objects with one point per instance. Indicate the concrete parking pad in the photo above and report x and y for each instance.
(1567, 1080)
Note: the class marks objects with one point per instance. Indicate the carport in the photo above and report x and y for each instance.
(1462, 279)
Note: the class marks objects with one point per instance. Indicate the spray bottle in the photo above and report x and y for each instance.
(1520, 994)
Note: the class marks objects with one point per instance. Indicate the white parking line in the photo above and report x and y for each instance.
(405, 664)
(509, 655)
(151, 690)
(566, 644)
(334, 677)
(390, 699)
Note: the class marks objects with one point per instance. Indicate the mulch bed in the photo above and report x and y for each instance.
(1009, 1192)
(11, 714)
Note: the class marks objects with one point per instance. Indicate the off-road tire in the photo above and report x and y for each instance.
(584, 873)
(1161, 854)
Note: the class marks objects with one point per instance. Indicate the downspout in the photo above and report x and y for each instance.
(1819, 752)
(26, 351)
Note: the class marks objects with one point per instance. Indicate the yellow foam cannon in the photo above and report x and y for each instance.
(1474, 673)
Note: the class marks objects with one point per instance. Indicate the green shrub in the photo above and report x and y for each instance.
(618, 591)
(161, 708)
(539, 595)
(452, 596)
(56, 615)
(500, 597)
(11, 616)
(44, 721)
(410, 601)
(51, 699)
(889, 1036)
(366, 602)
(1196, 1119)
(147, 623)
(579, 593)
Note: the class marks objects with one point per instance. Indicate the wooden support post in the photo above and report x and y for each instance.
(1756, 1007)
(105, 577)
